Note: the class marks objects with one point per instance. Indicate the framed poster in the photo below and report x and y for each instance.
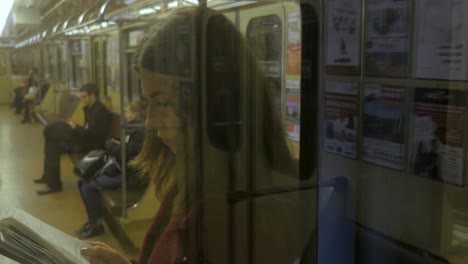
(341, 118)
(386, 44)
(294, 44)
(293, 114)
(438, 134)
(442, 50)
(343, 34)
(383, 125)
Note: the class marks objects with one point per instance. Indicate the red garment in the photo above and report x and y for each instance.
(168, 239)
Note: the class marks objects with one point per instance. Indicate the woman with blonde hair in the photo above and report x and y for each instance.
(170, 148)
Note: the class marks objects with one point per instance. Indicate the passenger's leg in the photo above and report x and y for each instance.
(52, 168)
(57, 134)
(109, 182)
(27, 113)
(85, 225)
(90, 195)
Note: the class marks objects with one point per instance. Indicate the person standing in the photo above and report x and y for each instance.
(66, 136)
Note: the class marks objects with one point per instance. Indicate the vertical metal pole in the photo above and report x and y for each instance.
(122, 122)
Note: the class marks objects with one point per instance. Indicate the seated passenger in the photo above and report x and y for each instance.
(111, 177)
(172, 235)
(66, 136)
(28, 102)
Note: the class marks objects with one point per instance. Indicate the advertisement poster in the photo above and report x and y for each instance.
(442, 39)
(383, 125)
(293, 114)
(294, 43)
(438, 134)
(343, 36)
(341, 117)
(387, 38)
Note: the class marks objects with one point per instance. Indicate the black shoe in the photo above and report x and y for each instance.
(82, 229)
(40, 180)
(48, 190)
(92, 231)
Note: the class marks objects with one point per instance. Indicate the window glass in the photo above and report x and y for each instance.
(223, 103)
(21, 62)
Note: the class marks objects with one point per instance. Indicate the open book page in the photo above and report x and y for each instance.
(15, 225)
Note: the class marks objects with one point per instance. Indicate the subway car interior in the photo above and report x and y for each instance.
(234, 131)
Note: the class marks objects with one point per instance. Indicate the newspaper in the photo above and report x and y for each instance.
(25, 239)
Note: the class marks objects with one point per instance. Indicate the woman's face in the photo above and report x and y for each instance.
(163, 108)
(130, 116)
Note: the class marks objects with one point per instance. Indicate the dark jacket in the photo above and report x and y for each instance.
(134, 142)
(95, 131)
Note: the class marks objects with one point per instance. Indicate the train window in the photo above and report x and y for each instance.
(43, 60)
(21, 62)
(97, 65)
(59, 76)
(104, 72)
(223, 99)
(133, 82)
(76, 72)
(52, 61)
(264, 36)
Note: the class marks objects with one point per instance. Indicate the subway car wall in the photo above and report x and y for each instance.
(368, 98)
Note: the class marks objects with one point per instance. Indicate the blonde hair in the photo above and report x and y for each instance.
(140, 107)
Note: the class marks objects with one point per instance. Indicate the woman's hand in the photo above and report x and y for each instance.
(101, 253)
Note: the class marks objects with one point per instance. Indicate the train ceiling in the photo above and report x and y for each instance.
(27, 16)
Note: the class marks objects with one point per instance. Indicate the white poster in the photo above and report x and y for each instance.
(343, 32)
(442, 39)
(341, 118)
(383, 125)
(387, 38)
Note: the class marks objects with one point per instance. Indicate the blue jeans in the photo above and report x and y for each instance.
(90, 195)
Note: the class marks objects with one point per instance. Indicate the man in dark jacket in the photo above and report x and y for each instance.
(66, 136)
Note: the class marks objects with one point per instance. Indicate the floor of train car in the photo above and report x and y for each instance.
(21, 161)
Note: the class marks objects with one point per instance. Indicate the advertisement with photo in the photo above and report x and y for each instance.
(387, 43)
(341, 118)
(438, 134)
(343, 34)
(383, 125)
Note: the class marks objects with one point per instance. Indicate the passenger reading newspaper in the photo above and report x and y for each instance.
(24, 239)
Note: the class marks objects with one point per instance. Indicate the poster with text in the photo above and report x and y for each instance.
(442, 39)
(438, 134)
(387, 38)
(294, 43)
(293, 114)
(341, 118)
(383, 125)
(343, 36)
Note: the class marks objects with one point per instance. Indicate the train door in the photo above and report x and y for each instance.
(262, 220)
(224, 143)
(80, 63)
